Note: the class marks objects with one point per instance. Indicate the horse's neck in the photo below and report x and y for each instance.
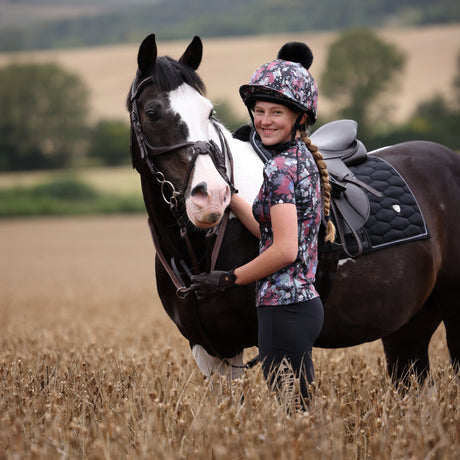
(247, 167)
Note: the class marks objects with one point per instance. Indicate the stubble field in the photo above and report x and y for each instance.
(91, 367)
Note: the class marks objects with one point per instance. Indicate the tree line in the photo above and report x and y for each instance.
(122, 22)
(44, 116)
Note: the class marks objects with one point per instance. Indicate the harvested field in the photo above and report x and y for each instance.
(91, 367)
(228, 63)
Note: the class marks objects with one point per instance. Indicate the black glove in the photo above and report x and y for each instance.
(213, 283)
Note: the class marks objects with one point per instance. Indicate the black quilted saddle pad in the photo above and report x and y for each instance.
(394, 218)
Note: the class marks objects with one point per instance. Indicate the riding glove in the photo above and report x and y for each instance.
(213, 283)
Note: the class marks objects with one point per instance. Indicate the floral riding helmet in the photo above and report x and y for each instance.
(283, 82)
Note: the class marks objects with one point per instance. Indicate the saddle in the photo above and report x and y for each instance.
(372, 206)
(350, 205)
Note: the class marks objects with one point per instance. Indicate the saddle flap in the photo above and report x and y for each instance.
(350, 200)
(354, 206)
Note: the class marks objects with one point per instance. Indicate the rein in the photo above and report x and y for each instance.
(170, 195)
(219, 157)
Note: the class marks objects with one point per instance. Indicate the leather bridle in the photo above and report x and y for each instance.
(148, 151)
(170, 195)
(219, 157)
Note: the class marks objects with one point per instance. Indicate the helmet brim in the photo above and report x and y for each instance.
(252, 93)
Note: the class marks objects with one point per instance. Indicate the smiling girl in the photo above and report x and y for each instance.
(286, 215)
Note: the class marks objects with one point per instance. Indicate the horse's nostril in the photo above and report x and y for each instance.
(201, 189)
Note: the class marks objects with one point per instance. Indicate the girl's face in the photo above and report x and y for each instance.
(273, 122)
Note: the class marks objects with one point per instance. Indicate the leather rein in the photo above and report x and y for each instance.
(171, 196)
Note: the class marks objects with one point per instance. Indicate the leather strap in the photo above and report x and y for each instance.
(336, 209)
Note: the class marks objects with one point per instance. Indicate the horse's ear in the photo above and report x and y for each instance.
(147, 54)
(193, 53)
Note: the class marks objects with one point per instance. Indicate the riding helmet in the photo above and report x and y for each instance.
(286, 80)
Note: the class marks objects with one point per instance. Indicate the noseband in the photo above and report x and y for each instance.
(148, 151)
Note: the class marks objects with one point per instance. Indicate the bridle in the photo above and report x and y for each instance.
(170, 195)
(148, 151)
(219, 158)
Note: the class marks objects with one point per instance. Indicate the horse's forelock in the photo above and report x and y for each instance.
(169, 74)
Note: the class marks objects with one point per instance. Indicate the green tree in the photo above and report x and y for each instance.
(42, 118)
(359, 68)
(456, 82)
(109, 143)
(226, 115)
(436, 119)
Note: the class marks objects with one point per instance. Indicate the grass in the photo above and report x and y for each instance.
(92, 367)
(89, 191)
(121, 180)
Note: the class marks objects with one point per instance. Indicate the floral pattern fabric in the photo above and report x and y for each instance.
(284, 80)
(291, 177)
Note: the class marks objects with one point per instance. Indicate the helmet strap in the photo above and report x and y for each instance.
(296, 126)
(252, 117)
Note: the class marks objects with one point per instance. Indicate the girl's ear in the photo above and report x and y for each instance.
(304, 119)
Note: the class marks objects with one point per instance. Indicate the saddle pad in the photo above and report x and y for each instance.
(394, 218)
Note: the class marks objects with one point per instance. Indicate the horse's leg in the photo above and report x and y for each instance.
(208, 364)
(452, 324)
(448, 286)
(406, 349)
(451, 318)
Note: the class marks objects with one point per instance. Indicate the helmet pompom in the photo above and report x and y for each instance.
(296, 52)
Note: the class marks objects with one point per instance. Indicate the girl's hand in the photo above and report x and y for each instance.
(210, 284)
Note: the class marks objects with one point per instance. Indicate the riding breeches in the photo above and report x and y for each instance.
(286, 337)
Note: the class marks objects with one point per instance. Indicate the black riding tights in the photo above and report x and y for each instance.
(286, 335)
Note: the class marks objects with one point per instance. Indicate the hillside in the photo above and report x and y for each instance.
(228, 63)
(54, 24)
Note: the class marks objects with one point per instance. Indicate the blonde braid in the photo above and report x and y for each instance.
(325, 185)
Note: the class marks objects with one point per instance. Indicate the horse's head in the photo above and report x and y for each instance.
(173, 137)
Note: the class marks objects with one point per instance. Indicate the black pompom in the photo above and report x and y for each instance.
(296, 52)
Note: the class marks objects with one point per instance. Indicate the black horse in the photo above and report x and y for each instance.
(188, 164)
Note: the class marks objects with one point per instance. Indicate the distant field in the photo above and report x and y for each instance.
(122, 180)
(228, 63)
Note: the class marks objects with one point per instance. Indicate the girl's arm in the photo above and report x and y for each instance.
(282, 252)
(243, 210)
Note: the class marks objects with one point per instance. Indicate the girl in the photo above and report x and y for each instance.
(282, 100)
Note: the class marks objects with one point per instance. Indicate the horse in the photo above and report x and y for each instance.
(190, 164)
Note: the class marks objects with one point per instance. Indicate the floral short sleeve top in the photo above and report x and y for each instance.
(291, 177)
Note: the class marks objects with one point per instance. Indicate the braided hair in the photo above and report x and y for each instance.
(325, 185)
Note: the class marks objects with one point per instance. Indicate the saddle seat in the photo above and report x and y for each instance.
(337, 140)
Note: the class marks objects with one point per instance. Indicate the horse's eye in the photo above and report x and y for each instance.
(153, 113)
